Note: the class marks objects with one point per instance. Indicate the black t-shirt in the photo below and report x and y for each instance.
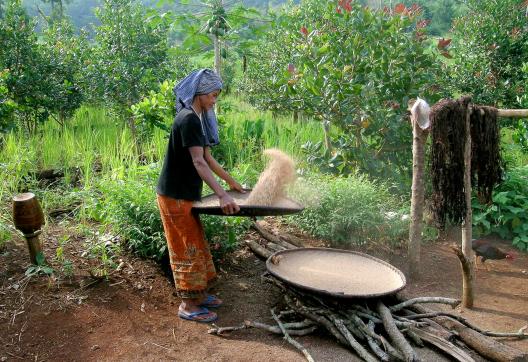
(179, 178)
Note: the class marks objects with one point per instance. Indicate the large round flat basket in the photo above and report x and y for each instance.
(283, 206)
(338, 273)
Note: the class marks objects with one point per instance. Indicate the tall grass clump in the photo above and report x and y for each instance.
(349, 210)
(245, 132)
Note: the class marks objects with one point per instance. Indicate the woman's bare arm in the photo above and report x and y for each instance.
(227, 203)
(219, 170)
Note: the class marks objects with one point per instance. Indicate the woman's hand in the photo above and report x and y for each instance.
(228, 205)
(233, 185)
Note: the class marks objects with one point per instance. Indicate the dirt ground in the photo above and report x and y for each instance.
(132, 315)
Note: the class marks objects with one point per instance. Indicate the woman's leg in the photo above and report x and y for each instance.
(188, 251)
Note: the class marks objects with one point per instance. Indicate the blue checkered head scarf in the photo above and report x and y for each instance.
(202, 81)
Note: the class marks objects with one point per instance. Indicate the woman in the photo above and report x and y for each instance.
(188, 162)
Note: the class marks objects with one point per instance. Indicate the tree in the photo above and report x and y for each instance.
(7, 106)
(27, 80)
(62, 50)
(352, 67)
(490, 47)
(129, 57)
(57, 10)
(218, 27)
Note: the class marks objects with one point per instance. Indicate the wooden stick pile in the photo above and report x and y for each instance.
(386, 329)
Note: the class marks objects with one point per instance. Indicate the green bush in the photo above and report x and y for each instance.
(349, 210)
(508, 214)
(129, 207)
(352, 67)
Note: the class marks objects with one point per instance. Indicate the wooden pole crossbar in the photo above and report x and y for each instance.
(419, 137)
(512, 113)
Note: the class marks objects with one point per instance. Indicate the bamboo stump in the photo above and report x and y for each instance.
(36, 255)
(29, 218)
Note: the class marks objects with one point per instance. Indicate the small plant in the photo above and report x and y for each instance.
(103, 248)
(349, 210)
(41, 268)
(222, 233)
(130, 208)
(507, 215)
(66, 264)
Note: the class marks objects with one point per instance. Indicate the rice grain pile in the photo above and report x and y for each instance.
(272, 183)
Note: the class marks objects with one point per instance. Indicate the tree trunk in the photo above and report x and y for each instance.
(326, 131)
(467, 286)
(217, 60)
(417, 200)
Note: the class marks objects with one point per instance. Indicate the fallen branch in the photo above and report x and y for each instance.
(397, 338)
(295, 241)
(482, 344)
(394, 354)
(452, 302)
(290, 340)
(362, 352)
(258, 249)
(294, 329)
(446, 346)
(372, 340)
(274, 247)
(302, 310)
(518, 334)
(271, 237)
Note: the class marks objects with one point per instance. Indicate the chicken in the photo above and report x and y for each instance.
(486, 251)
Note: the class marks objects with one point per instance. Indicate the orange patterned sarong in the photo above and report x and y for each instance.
(190, 258)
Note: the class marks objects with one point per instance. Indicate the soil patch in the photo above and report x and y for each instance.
(131, 315)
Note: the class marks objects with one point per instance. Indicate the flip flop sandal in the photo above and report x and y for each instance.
(211, 302)
(193, 316)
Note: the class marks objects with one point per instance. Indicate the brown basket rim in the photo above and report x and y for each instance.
(269, 267)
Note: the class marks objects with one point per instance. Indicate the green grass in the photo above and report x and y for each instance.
(96, 140)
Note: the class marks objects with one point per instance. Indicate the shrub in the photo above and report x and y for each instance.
(508, 214)
(349, 210)
(129, 206)
(352, 67)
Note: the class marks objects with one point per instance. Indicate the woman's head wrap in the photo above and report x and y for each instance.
(202, 81)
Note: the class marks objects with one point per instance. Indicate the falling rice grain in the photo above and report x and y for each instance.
(271, 184)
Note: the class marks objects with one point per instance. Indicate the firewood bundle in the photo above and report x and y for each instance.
(386, 329)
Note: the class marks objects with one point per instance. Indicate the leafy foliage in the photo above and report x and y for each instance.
(352, 67)
(27, 79)
(130, 207)
(129, 57)
(62, 51)
(349, 210)
(41, 78)
(155, 110)
(489, 51)
(508, 214)
(7, 106)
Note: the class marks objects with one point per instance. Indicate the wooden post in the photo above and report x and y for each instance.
(29, 218)
(36, 255)
(512, 113)
(420, 122)
(467, 285)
